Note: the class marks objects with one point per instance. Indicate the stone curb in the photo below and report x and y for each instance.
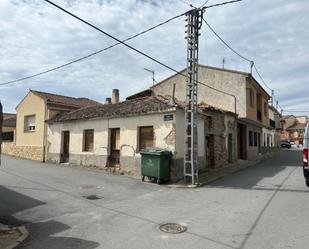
(24, 234)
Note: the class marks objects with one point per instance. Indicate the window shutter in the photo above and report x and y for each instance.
(88, 140)
(146, 137)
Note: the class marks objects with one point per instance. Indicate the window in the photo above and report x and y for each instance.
(29, 123)
(145, 137)
(250, 138)
(88, 140)
(265, 109)
(8, 136)
(255, 139)
(251, 96)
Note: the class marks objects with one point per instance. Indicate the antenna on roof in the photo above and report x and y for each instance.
(223, 62)
(153, 75)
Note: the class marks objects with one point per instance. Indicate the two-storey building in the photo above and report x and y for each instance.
(31, 129)
(232, 91)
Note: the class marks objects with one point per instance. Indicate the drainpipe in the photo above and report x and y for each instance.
(235, 104)
(45, 133)
(173, 96)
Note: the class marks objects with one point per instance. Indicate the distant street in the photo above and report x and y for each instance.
(265, 206)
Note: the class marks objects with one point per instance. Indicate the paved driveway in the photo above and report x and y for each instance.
(265, 206)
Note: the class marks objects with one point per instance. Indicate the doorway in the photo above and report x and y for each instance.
(209, 151)
(230, 147)
(114, 157)
(65, 155)
(241, 141)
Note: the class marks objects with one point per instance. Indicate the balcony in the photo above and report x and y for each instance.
(259, 115)
(272, 123)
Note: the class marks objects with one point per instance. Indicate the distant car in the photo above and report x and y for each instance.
(305, 155)
(285, 144)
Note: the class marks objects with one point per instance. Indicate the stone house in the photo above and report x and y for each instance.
(246, 98)
(293, 128)
(111, 136)
(31, 129)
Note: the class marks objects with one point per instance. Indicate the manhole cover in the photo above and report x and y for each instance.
(92, 197)
(173, 228)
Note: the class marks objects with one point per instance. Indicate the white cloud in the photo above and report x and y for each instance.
(36, 36)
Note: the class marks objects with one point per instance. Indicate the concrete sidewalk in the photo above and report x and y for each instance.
(213, 175)
(11, 237)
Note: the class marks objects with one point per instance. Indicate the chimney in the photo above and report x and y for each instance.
(107, 101)
(115, 96)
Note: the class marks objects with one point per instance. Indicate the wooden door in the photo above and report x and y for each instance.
(66, 147)
(114, 157)
(230, 147)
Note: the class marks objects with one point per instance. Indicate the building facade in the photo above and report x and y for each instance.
(293, 128)
(31, 128)
(246, 98)
(111, 136)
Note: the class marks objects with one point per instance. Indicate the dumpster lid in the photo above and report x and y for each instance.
(154, 151)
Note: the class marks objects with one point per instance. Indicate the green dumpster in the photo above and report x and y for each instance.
(156, 164)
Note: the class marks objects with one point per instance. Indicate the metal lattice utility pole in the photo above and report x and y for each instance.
(194, 19)
(1, 123)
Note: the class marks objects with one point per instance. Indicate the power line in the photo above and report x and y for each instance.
(91, 54)
(285, 110)
(237, 53)
(134, 49)
(190, 5)
(219, 4)
(257, 71)
(204, 3)
(225, 43)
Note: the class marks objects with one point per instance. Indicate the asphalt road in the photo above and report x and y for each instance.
(265, 206)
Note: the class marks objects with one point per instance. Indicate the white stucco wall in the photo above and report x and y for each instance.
(269, 132)
(128, 134)
(271, 114)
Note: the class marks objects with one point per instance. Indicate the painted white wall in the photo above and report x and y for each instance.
(268, 132)
(128, 134)
(271, 114)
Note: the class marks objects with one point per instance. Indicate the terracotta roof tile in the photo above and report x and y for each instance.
(10, 121)
(125, 108)
(65, 100)
(297, 126)
(8, 115)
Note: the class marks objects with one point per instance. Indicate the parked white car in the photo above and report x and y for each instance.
(305, 155)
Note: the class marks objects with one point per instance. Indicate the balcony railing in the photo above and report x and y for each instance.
(259, 115)
(272, 123)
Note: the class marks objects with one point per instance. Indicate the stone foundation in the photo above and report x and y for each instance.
(130, 166)
(27, 152)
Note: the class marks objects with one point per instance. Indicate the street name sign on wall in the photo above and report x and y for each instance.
(168, 117)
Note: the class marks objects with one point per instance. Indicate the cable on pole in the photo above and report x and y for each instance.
(134, 49)
(219, 4)
(252, 64)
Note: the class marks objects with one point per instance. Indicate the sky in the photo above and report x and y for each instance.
(35, 36)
